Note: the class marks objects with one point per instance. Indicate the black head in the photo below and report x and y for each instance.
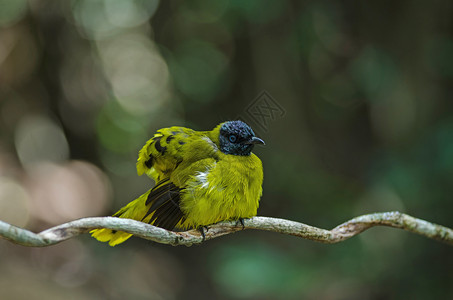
(237, 138)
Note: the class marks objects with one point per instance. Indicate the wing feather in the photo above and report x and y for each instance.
(163, 201)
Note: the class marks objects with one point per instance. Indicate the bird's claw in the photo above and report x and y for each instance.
(202, 232)
(241, 221)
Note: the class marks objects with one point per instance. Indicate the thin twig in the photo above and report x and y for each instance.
(340, 233)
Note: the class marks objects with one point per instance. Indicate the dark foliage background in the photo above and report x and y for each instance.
(357, 116)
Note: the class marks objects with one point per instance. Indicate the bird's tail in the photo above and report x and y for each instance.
(135, 210)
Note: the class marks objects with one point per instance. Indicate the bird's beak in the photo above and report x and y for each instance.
(255, 140)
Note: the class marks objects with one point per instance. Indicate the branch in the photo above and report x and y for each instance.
(340, 233)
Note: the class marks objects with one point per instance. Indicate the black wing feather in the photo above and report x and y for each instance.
(165, 199)
(171, 217)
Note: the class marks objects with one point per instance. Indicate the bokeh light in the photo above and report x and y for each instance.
(39, 139)
(12, 11)
(102, 18)
(14, 202)
(63, 193)
(137, 73)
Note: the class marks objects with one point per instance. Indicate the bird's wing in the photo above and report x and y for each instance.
(163, 205)
(163, 152)
(171, 157)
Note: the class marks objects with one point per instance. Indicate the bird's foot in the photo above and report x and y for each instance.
(202, 232)
(240, 221)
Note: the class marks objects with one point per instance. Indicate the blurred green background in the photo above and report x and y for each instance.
(364, 91)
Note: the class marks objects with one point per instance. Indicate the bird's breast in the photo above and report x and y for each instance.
(227, 189)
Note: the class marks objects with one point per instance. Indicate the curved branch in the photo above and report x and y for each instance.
(340, 233)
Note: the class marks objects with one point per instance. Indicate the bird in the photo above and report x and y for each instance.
(202, 178)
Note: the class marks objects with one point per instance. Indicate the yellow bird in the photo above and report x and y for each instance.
(202, 177)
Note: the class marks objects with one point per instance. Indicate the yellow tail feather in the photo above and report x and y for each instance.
(107, 235)
(135, 210)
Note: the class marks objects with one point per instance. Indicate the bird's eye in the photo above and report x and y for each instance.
(232, 138)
